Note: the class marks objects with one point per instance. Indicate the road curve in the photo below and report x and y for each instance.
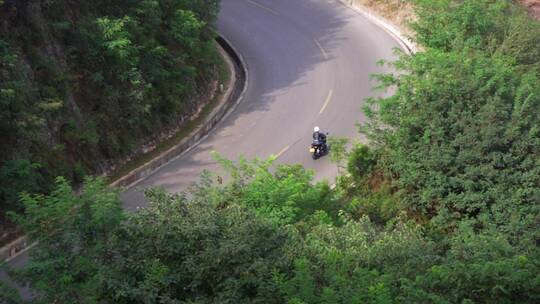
(309, 63)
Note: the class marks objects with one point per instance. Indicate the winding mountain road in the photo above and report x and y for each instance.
(309, 63)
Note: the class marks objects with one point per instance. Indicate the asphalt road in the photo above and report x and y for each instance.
(309, 63)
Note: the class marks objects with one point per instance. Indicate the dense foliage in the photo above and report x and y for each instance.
(216, 244)
(460, 137)
(73, 231)
(83, 83)
(441, 207)
(208, 245)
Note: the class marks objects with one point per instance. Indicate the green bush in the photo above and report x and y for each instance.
(286, 194)
(224, 243)
(461, 137)
(355, 263)
(380, 205)
(72, 232)
(478, 268)
(16, 176)
(205, 252)
(361, 161)
(449, 24)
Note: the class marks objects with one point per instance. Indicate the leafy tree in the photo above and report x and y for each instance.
(22, 109)
(367, 189)
(450, 24)
(194, 251)
(285, 195)
(17, 176)
(338, 150)
(215, 243)
(458, 144)
(478, 268)
(186, 28)
(361, 161)
(521, 41)
(73, 232)
(493, 26)
(361, 263)
(355, 263)
(220, 243)
(460, 137)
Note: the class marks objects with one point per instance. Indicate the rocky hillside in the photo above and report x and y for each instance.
(84, 83)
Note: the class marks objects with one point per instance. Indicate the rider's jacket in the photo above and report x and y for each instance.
(319, 136)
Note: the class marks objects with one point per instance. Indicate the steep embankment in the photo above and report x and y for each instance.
(401, 12)
(533, 6)
(84, 85)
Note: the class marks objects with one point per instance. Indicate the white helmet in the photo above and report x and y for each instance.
(316, 129)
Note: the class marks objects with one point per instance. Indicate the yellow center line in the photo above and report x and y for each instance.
(327, 101)
(325, 55)
(282, 151)
(263, 7)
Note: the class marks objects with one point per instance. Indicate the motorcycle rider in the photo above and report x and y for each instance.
(319, 137)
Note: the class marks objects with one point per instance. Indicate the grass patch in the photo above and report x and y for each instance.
(224, 75)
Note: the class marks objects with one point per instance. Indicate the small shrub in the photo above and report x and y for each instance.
(361, 161)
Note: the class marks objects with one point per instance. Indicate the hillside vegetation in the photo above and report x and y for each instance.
(442, 207)
(83, 84)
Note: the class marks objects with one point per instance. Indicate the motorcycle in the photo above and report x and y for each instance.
(317, 149)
